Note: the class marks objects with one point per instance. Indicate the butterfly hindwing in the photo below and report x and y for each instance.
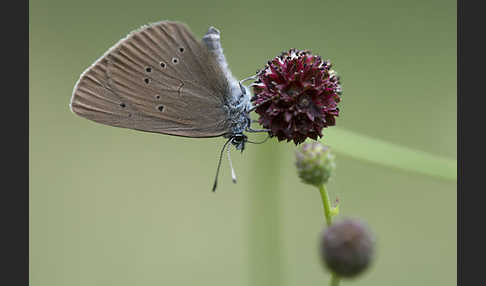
(157, 79)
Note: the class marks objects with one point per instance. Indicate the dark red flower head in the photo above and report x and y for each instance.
(296, 95)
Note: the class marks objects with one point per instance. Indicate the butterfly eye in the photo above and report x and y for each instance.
(147, 80)
(181, 50)
(157, 96)
(162, 65)
(122, 105)
(148, 69)
(175, 61)
(160, 108)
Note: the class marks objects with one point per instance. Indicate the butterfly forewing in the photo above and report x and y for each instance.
(158, 79)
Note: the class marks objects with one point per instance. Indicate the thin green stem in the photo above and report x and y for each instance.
(328, 213)
(326, 203)
(334, 280)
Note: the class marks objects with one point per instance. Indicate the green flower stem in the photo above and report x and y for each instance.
(329, 212)
(334, 280)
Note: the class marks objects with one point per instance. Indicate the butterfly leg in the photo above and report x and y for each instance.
(253, 77)
(243, 89)
(262, 103)
(260, 142)
(250, 130)
(258, 105)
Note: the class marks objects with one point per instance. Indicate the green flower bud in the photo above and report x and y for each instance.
(315, 163)
(347, 248)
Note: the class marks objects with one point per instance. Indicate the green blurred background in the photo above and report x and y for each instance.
(112, 206)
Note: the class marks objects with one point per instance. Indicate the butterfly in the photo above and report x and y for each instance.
(161, 79)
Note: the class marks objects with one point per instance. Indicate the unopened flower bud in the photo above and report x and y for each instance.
(315, 163)
(347, 248)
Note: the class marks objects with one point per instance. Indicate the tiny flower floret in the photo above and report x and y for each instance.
(296, 95)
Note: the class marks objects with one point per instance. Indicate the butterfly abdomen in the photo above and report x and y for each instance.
(238, 103)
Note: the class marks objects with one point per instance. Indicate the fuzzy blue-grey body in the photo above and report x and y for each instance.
(237, 103)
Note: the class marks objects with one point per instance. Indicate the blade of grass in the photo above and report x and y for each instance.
(388, 154)
(264, 218)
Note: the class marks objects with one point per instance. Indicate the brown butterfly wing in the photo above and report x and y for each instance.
(160, 79)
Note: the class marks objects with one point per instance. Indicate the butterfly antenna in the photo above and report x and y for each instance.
(219, 165)
(233, 174)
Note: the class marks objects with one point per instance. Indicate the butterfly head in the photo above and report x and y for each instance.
(239, 141)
